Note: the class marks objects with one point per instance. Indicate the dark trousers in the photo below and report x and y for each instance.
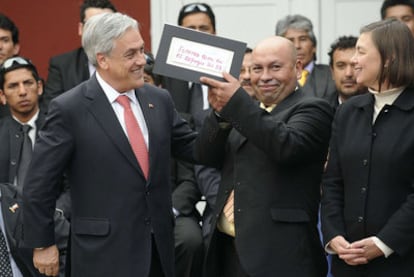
(156, 267)
(189, 247)
(228, 259)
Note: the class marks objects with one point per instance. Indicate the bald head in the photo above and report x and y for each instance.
(275, 69)
(276, 44)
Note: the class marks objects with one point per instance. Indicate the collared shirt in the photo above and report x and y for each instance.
(15, 269)
(31, 133)
(310, 67)
(91, 68)
(112, 95)
(32, 123)
(269, 109)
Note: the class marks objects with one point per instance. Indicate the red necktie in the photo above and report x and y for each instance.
(136, 139)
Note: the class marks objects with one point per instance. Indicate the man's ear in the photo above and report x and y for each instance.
(39, 87)
(299, 68)
(102, 61)
(3, 100)
(16, 49)
(80, 29)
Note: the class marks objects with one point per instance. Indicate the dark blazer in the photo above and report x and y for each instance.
(115, 211)
(320, 84)
(4, 110)
(185, 192)
(11, 137)
(368, 186)
(11, 206)
(11, 142)
(180, 93)
(207, 178)
(274, 162)
(65, 72)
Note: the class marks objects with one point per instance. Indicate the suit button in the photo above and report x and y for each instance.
(239, 210)
(365, 162)
(13, 162)
(147, 221)
(147, 192)
(363, 189)
(360, 219)
(374, 134)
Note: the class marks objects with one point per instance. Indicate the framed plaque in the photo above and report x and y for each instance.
(187, 54)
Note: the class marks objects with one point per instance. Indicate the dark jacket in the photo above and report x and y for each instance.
(115, 211)
(368, 187)
(274, 162)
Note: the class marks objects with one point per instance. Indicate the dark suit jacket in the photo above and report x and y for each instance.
(274, 164)
(65, 72)
(185, 193)
(115, 211)
(320, 84)
(368, 186)
(207, 178)
(4, 110)
(14, 231)
(11, 142)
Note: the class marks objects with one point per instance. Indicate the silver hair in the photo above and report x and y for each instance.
(101, 31)
(298, 22)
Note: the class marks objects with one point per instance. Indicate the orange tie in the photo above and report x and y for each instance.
(302, 80)
(136, 139)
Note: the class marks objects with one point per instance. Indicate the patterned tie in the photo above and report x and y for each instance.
(5, 266)
(25, 155)
(136, 139)
(302, 80)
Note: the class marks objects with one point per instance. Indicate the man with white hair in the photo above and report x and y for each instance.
(115, 135)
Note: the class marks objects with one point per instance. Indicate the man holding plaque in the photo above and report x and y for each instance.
(271, 157)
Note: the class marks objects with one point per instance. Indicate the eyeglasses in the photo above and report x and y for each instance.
(195, 7)
(10, 62)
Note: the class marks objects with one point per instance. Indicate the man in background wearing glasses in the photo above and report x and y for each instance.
(20, 88)
(191, 99)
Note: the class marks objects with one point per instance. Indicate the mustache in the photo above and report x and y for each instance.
(245, 83)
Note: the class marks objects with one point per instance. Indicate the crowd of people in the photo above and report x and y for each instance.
(302, 169)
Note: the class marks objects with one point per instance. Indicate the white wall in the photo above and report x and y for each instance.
(251, 21)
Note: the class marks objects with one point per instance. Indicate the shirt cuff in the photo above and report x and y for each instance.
(329, 250)
(383, 247)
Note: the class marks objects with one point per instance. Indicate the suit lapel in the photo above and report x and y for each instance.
(15, 138)
(239, 139)
(11, 208)
(101, 109)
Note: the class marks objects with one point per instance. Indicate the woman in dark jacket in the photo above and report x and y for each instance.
(368, 188)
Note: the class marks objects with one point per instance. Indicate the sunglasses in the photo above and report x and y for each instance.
(149, 60)
(15, 60)
(195, 7)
